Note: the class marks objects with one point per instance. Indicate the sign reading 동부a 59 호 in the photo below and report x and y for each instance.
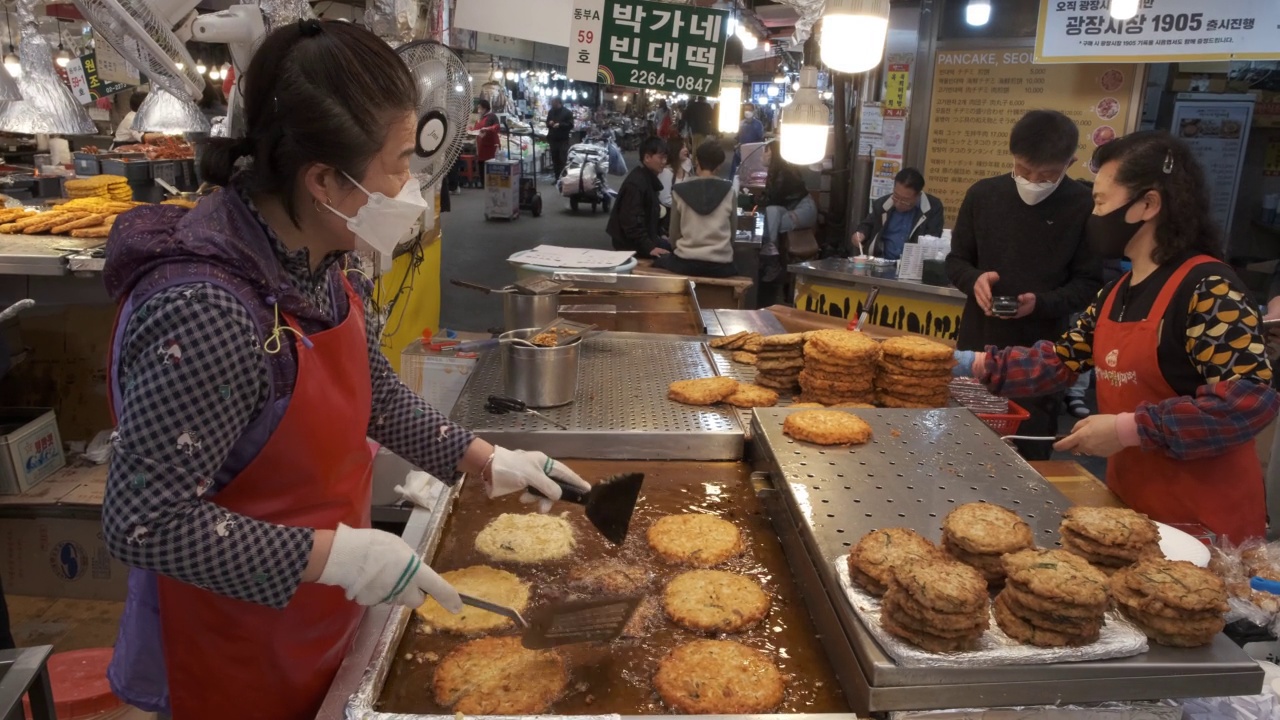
(1082, 31)
(643, 44)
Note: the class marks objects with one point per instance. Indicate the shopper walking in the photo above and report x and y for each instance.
(246, 375)
(1182, 374)
(559, 125)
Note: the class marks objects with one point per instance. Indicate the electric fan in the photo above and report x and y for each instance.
(444, 104)
(143, 37)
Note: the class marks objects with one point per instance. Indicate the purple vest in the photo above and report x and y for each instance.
(137, 671)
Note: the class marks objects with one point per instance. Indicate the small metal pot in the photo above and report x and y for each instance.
(529, 311)
(540, 377)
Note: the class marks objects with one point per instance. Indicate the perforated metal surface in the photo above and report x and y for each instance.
(726, 367)
(918, 467)
(621, 410)
(936, 461)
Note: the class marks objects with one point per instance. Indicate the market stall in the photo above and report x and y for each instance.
(838, 287)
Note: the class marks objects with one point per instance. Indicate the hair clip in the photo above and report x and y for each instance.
(310, 27)
(1168, 163)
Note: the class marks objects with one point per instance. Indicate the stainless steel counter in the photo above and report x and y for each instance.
(846, 271)
(920, 465)
(40, 254)
(621, 410)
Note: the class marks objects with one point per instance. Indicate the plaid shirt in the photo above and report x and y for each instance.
(179, 420)
(1233, 405)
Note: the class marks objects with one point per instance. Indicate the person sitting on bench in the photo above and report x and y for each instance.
(703, 220)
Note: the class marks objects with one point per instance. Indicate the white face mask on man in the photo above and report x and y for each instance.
(385, 222)
(1035, 193)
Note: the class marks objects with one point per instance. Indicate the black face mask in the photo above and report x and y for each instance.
(1110, 233)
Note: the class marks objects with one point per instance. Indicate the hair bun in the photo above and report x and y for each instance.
(310, 27)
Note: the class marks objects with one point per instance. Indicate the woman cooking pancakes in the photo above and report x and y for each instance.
(1182, 376)
(246, 375)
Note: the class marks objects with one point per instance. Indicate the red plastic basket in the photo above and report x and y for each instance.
(1005, 423)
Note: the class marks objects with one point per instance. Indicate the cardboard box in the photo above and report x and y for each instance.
(30, 449)
(59, 557)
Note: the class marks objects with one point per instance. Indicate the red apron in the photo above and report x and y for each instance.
(229, 658)
(1223, 493)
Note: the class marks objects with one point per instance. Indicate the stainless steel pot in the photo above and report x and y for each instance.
(540, 377)
(529, 311)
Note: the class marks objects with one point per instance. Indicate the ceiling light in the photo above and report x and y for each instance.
(200, 68)
(779, 79)
(731, 79)
(1124, 9)
(181, 66)
(13, 65)
(169, 114)
(978, 12)
(215, 74)
(63, 58)
(853, 34)
(748, 38)
(511, 75)
(771, 91)
(803, 138)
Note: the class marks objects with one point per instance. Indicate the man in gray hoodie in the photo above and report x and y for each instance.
(703, 215)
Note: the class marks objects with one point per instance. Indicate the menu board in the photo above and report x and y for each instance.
(978, 96)
(1217, 132)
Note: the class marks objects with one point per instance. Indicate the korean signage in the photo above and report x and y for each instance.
(1217, 133)
(1082, 31)
(86, 86)
(895, 89)
(978, 95)
(643, 44)
(112, 67)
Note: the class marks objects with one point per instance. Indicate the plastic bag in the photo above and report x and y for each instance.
(617, 163)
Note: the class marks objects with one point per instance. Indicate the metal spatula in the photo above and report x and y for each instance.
(609, 504)
(567, 623)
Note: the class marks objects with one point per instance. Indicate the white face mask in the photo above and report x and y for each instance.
(749, 114)
(1035, 193)
(385, 222)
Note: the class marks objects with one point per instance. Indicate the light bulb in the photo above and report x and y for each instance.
(795, 85)
(63, 58)
(732, 28)
(748, 38)
(731, 79)
(978, 12)
(779, 79)
(200, 68)
(13, 65)
(511, 75)
(803, 138)
(457, 88)
(181, 66)
(853, 34)
(215, 74)
(771, 91)
(1124, 9)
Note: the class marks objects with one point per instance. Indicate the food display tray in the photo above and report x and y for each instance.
(621, 410)
(919, 465)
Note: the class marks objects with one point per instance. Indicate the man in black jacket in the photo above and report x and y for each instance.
(634, 222)
(559, 125)
(1022, 235)
(900, 218)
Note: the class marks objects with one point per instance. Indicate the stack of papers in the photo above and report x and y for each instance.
(572, 258)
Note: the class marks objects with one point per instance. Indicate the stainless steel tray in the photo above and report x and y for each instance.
(920, 465)
(621, 411)
(633, 303)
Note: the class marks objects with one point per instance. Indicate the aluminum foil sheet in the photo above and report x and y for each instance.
(166, 113)
(47, 106)
(395, 21)
(282, 12)
(1150, 710)
(810, 12)
(1119, 639)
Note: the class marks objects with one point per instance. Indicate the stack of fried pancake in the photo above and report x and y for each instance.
(1051, 598)
(780, 361)
(873, 559)
(913, 372)
(939, 605)
(839, 368)
(978, 534)
(1174, 602)
(744, 345)
(1109, 538)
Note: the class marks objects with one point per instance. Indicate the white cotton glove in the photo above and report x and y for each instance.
(376, 567)
(515, 470)
(418, 489)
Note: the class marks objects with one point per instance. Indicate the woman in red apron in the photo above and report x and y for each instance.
(246, 376)
(1183, 379)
